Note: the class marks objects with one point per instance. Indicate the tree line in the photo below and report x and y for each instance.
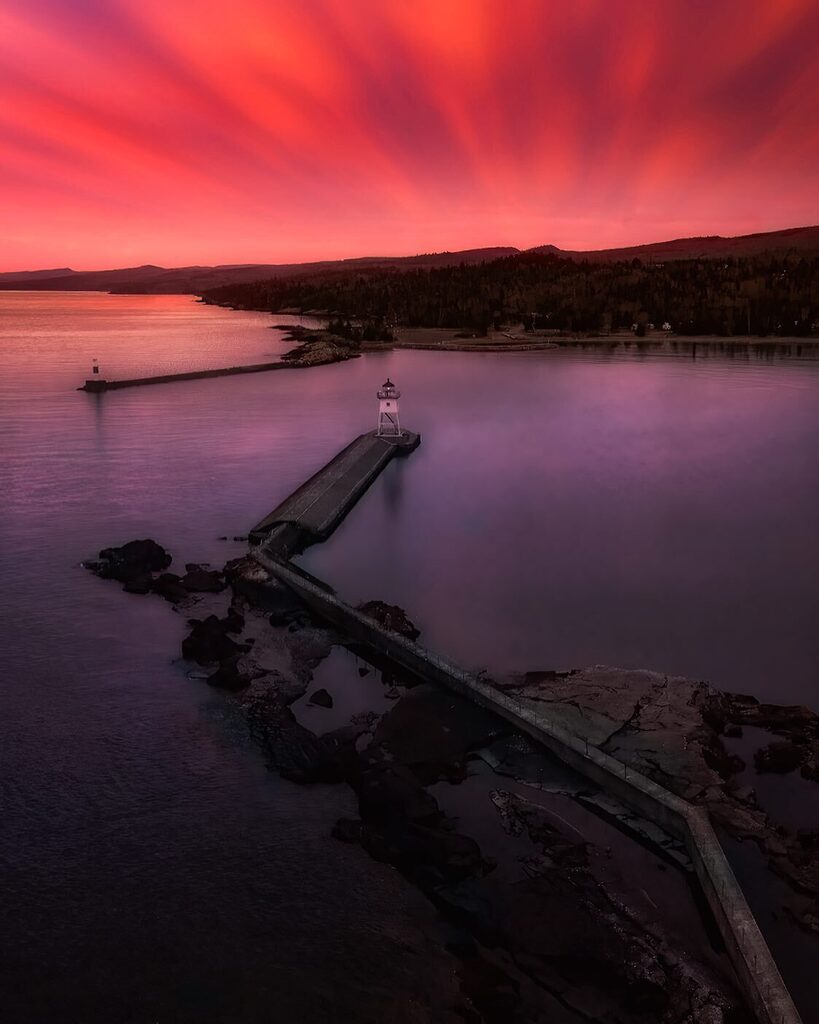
(761, 295)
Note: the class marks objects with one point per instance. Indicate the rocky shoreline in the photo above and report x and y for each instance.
(317, 347)
(551, 924)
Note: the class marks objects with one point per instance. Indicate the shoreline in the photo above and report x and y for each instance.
(454, 339)
(434, 339)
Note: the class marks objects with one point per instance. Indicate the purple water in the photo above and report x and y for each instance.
(571, 509)
(562, 509)
(151, 868)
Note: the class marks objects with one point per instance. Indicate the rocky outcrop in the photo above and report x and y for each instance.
(671, 729)
(208, 641)
(782, 756)
(558, 929)
(391, 617)
(169, 586)
(200, 580)
(133, 564)
(798, 724)
(317, 347)
(233, 674)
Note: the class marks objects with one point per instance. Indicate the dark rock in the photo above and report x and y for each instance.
(717, 758)
(300, 756)
(169, 586)
(781, 757)
(347, 830)
(432, 731)
(229, 675)
(203, 581)
(139, 584)
(467, 902)
(387, 791)
(208, 643)
(430, 853)
(391, 617)
(811, 771)
(734, 731)
(792, 720)
(321, 698)
(234, 621)
(137, 558)
(363, 671)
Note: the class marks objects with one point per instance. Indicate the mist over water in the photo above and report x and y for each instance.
(563, 509)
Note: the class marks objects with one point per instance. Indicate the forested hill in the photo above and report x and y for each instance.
(761, 294)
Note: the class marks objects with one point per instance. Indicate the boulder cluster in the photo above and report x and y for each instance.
(140, 565)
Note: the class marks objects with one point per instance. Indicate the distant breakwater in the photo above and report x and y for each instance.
(168, 378)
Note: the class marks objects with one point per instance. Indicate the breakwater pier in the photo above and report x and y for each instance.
(96, 385)
(315, 509)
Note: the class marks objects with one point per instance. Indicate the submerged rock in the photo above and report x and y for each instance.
(782, 757)
(321, 698)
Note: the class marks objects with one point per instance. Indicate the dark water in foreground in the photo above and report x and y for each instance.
(562, 509)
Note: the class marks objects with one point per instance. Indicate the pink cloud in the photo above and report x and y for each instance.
(137, 130)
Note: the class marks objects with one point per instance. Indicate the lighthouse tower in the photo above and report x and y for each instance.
(388, 425)
(95, 382)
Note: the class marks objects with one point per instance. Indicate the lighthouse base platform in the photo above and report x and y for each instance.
(315, 509)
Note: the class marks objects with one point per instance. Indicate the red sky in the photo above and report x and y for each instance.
(178, 132)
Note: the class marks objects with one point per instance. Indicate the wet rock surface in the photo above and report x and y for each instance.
(672, 729)
(391, 617)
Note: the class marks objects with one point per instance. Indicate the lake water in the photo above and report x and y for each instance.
(563, 509)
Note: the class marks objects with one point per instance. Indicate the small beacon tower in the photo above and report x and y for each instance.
(388, 425)
(95, 382)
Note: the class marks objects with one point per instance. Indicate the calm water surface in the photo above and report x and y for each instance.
(563, 509)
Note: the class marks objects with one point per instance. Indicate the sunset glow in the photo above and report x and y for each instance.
(136, 131)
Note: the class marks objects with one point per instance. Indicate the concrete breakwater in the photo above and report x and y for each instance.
(97, 386)
(752, 960)
(315, 509)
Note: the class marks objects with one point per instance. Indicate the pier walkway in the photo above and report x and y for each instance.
(315, 509)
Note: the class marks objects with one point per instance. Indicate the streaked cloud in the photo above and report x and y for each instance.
(182, 132)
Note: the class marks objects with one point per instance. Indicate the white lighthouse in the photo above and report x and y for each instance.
(388, 425)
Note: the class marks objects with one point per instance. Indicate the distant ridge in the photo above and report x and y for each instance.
(702, 247)
(195, 280)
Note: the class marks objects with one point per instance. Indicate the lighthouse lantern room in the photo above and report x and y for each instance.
(388, 424)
